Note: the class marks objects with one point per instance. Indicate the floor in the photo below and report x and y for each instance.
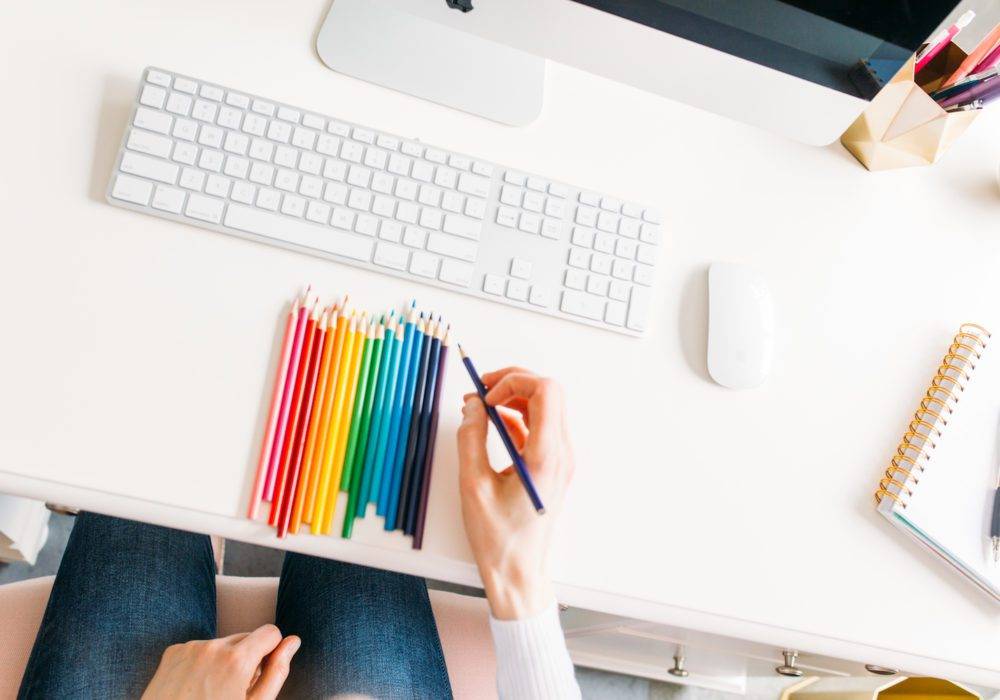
(248, 560)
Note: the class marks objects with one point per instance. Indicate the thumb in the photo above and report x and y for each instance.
(473, 461)
(275, 670)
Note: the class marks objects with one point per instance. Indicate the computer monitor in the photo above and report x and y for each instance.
(783, 66)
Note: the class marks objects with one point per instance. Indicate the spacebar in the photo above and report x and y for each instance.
(291, 230)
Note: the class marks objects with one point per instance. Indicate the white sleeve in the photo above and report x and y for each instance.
(532, 660)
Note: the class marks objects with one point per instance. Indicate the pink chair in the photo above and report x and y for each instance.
(246, 603)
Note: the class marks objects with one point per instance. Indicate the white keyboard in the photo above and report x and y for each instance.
(234, 162)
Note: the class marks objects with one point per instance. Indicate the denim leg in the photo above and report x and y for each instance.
(125, 591)
(364, 631)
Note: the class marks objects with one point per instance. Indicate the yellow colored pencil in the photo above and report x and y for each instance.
(327, 324)
(344, 429)
(330, 443)
(336, 340)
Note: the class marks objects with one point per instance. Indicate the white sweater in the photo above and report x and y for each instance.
(532, 660)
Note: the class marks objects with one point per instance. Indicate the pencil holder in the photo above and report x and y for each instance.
(903, 126)
(869, 688)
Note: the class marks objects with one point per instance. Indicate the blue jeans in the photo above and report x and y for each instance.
(126, 591)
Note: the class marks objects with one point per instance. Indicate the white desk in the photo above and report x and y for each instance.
(136, 353)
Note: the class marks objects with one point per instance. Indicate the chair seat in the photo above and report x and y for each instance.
(245, 603)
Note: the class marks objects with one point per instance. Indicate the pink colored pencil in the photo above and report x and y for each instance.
(286, 399)
(272, 418)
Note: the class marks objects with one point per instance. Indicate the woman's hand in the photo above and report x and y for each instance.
(246, 666)
(509, 540)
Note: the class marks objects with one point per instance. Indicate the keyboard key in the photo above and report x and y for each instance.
(218, 186)
(261, 174)
(510, 195)
(453, 202)
(192, 179)
(618, 290)
(366, 225)
(298, 232)
(515, 178)
(431, 196)
(638, 308)
(353, 152)
(540, 296)
(430, 218)
(507, 217)
(557, 190)
(279, 131)
(455, 272)
(204, 111)
(611, 204)
(590, 199)
(261, 149)
(230, 118)
(652, 216)
(314, 122)
(474, 185)
(358, 176)
(363, 135)
(132, 189)
(436, 156)
(606, 221)
(328, 145)
(484, 169)
(318, 212)
(375, 158)
(583, 305)
(254, 124)
(537, 184)
(517, 290)
(399, 165)
(622, 269)
(335, 170)
(158, 78)
(360, 199)
(650, 234)
(632, 210)
(391, 231)
(168, 199)
(262, 107)
(389, 142)
(555, 208)
(303, 138)
(211, 92)
(268, 199)
(237, 143)
(342, 218)
(460, 162)
(586, 216)
(406, 189)
(476, 208)
(310, 163)
(289, 114)
(243, 192)
(146, 118)
(237, 100)
(583, 237)
(452, 247)
(205, 208)
(446, 178)
(293, 206)
(530, 223)
(414, 237)
(384, 206)
(147, 167)
(412, 149)
(424, 265)
(185, 85)
(646, 254)
(185, 129)
(598, 285)
(493, 284)
(422, 171)
(643, 274)
(211, 160)
(604, 243)
(552, 229)
(600, 264)
(615, 314)
(145, 142)
(460, 226)
(579, 258)
(338, 129)
(153, 96)
(210, 136)
(574, 279)
(625, 248)
(388, 255)
(520, 268)
(629, 228)
(383, 183)
(533, 202)
(408, 213)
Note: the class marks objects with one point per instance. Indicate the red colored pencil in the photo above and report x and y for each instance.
(272, 418)
(293, 418)
(302, 430)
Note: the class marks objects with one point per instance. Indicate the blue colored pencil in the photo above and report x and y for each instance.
(412, 491)
(388, 458)
(515, 456)
(371, 445)
(381, 431)
(405, 418)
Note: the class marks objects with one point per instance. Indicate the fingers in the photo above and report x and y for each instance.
(515, 426)
(260, 642)
(490, 379)
(544, 402)
(275, 670)
(473, 461)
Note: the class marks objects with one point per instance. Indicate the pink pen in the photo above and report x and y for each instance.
(992, 58)
(272, 416)
(941, 40)
(286, 399)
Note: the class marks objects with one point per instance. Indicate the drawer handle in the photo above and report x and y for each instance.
(789, 668)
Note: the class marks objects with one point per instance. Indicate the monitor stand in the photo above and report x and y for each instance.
(381, 44)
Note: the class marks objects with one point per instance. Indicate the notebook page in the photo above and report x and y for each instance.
(953, 501)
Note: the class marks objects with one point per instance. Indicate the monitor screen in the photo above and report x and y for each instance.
(817, 40)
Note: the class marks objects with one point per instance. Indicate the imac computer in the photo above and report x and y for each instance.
(783, 66)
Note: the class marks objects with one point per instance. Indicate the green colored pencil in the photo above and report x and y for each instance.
(357, 472)
(359, 398)
(385, 386)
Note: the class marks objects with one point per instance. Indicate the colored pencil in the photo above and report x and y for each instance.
(425, 486)
(272, 417)
(400, 498)
(409, 507)
(939, 42)
(387, 452)
(319, 398)
(380, 425)
(364, 427)
(344, 428)
(378, 408)
(402, 430)
(360, 396)
(293, 478)
(294, 417)
(336, 414)
(977, 55)
(515, 456)
(286, 398)
(329, 390)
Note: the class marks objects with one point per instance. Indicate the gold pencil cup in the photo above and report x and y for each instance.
(869, 688)
(903, 126)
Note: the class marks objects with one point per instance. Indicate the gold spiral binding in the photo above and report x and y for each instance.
(943, 392)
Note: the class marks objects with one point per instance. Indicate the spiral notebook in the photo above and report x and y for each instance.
(939, 485)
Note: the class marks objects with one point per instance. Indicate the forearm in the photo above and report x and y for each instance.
(532, 659)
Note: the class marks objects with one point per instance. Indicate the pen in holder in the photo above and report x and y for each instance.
(903, 126)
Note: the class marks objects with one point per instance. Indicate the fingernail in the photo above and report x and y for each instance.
(294, 646)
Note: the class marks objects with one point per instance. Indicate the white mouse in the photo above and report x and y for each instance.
(740, 326)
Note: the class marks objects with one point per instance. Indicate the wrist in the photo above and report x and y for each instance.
(516, 595)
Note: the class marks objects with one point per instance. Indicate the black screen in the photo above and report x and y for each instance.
(818, 40)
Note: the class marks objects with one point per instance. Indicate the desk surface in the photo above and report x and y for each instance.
(136, 351)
